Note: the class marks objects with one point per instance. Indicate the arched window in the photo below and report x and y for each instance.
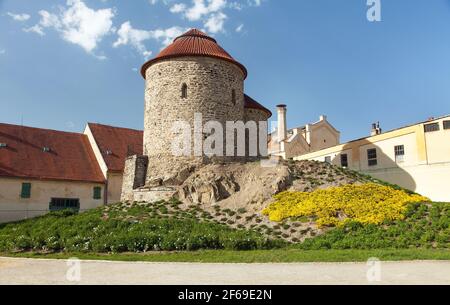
(184, 91)
(233, 97)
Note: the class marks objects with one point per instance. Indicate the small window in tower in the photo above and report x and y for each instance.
(233, 97)
(184, 91)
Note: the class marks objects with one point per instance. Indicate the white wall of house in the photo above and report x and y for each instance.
(97, 152)
(114, 179)
(15, 208)
(302, 141)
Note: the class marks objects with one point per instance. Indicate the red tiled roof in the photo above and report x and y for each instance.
(193, 43)
(70, 157)
(116, 144)
(252, 104)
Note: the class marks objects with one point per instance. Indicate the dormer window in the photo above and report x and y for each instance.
(46, 149)
(184, 91)
(109, 152)
(3, 145)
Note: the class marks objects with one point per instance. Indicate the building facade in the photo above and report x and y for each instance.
(415, 157)
(45, 170)
(111, 146)
(291, 143)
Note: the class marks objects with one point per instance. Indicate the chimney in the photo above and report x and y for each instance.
(323, 118)
(282, 125)
(376, 129)
(308, 128)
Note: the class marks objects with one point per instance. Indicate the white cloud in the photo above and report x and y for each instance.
(2, 51)
(78, 24)
(35, 29)
(210, 12)
(240, 28)
(215, 22)
(19, 17)
(136, 37)
(178, 8)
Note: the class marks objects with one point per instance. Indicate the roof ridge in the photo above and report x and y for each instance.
(116, 127)
(44, 129)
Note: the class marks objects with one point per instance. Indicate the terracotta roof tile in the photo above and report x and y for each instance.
(252, 104)
(116, 144)
(193, 43)
(70, 157)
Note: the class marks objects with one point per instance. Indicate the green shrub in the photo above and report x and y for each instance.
(90, 232)
(425, 226)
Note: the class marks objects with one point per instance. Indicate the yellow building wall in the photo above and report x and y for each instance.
(14, 208)
(438, 146)
(426, 166)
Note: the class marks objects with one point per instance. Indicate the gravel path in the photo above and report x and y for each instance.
(34, 271)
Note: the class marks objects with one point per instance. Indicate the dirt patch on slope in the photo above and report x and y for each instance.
(235, 194)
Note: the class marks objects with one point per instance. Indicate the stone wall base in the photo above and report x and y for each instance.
(150, 195)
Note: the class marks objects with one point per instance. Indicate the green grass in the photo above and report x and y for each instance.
(141, 233)
(426, 226)
(116, 230)
(266, 256)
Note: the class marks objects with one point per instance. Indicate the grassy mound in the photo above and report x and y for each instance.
(425, 226)
(367, 204)
(132, 228)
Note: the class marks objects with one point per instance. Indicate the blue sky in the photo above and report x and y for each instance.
(64, 63)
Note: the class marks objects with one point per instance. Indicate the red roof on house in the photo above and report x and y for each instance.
(35, 153)
(252, 104)
(193, 43)
(116, 144)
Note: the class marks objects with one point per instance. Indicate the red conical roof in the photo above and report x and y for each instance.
(193, 43)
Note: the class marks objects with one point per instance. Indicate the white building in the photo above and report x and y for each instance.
(301, 140)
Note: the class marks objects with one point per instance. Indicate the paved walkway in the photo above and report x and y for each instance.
(34, 271)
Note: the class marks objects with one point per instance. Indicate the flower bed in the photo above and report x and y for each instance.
(368, 204)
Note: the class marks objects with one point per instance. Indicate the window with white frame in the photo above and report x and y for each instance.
(399, 153)
(372, 157)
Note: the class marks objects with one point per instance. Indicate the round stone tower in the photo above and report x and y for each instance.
(193, 75)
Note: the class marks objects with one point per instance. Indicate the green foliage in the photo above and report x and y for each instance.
(113, 230)
(425, 226)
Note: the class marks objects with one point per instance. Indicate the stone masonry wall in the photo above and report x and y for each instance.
(134, 176)
(257, 116)
(210, 83)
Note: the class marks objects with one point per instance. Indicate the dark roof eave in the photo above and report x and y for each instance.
(41, 178)
(155, 60)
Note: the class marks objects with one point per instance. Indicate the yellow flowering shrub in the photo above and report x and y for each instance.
(368, 203)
